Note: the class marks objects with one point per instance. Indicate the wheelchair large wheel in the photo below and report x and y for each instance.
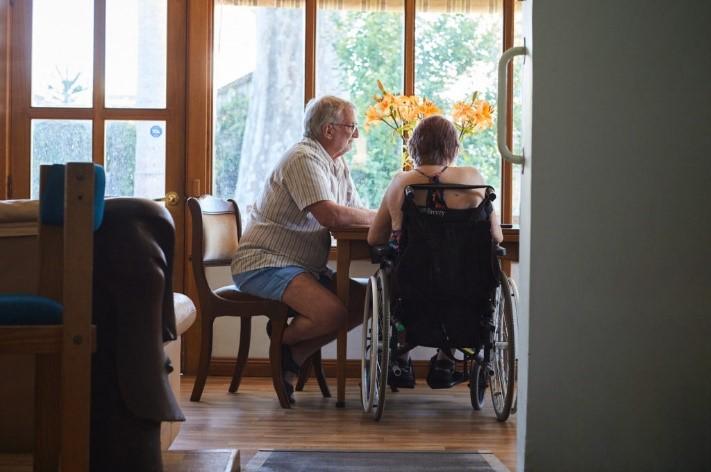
(502, 382)
(375, 346)
(369, 350)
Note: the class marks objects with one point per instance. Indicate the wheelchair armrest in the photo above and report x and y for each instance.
(379, 253)
(500, 251)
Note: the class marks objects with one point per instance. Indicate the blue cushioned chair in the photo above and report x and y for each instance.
(54, 324)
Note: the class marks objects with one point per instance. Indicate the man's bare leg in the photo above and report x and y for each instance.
(321, 314)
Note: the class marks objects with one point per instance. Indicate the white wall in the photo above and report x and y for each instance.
(620, 268)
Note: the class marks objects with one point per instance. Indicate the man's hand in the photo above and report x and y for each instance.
(332, 215)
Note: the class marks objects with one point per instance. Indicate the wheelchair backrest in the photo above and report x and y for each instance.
(446, 271)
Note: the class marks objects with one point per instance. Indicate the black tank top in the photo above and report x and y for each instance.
(435, 198)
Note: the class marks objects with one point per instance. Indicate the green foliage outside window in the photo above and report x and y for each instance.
(120, 158)
(230, 120)
(368, 48)
(57, 142)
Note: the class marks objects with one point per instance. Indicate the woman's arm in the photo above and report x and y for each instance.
(496, 232)
(379, 231)
(381, 227)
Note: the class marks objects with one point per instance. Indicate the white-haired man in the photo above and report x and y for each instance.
(284, 250)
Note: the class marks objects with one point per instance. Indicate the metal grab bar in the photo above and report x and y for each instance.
(502, 105)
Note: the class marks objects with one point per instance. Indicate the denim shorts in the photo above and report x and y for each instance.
(271, 282)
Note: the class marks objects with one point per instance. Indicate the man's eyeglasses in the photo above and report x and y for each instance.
(352, 126)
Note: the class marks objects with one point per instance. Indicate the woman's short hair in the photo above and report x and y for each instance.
(323, 110)
(434, 141)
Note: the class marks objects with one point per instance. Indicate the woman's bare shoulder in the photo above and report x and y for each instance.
(398, 182)
(468, 175)
(404, 178)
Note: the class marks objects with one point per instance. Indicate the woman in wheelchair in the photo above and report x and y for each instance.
(433, 147)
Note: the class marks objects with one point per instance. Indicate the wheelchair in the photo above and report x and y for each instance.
(443, 287)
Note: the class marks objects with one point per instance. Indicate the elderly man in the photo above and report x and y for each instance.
(284, 250)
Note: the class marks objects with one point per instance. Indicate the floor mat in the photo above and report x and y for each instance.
(278, 460)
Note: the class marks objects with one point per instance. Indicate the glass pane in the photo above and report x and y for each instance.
(136, 36)
(62, 53)
(258, 73)
(135, 158)
(517, 118)
(456, 54)
(57, 142)
(355, 49)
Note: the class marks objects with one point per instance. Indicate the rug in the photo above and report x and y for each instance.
(276, 460)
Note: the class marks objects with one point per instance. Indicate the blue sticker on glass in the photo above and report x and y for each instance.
(156, 131)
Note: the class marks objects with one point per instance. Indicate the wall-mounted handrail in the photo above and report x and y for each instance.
(502, 105)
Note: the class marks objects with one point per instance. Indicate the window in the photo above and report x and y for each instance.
(263, 75)
(456, 54)
(54, 140)
(354, 49)
(258, 74)
(62, 53)
(517, 122)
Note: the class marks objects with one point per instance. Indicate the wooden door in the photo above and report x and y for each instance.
(101, 81)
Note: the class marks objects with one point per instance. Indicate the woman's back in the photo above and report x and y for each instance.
(433, 146)
(454, 199)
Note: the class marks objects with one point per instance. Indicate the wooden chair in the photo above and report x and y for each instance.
(55, 325)
(216, 230)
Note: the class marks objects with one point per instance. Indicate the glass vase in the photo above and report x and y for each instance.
(406, 160)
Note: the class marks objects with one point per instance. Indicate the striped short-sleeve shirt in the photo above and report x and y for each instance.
(281, 232)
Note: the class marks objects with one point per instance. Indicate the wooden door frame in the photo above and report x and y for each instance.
(198, 145)
(5, 29)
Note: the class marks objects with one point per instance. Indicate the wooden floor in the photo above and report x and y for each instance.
(418, 419)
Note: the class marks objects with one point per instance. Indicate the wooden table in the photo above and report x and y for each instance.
(351, 245)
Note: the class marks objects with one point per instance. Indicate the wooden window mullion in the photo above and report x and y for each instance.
(98, 85)
(5, 29)
(20, 82)
(310, 50)
(409, 48)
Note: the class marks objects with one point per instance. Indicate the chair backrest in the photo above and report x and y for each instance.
(446, 273)
(216, 230)
(71, 209)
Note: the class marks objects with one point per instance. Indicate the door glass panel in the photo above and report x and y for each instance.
(135, 158)
(57, 142)
(517, 118)
(356, 47)
(136, 36)
(258, 73)
(62, 53)
(456, 54)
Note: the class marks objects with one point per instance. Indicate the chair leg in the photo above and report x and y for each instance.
(304, 374)
(278, 325)
(318, 372)
(47, 413)
(205, 355)
(245, 335)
